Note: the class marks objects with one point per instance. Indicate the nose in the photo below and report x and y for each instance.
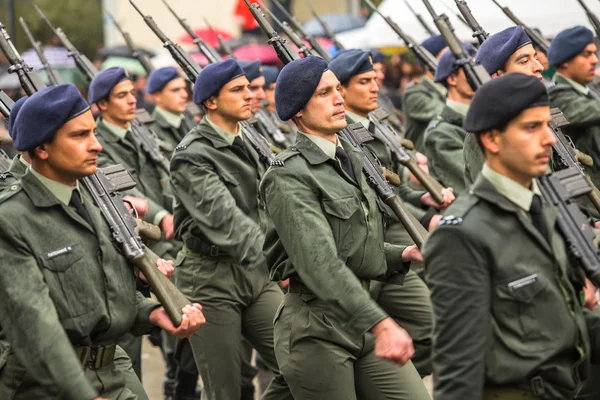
(338, 99)
(594, 59)
(131, 98)
(95, 145)
(537, 67)
(260, 94)
(549, 138)
(248, 95)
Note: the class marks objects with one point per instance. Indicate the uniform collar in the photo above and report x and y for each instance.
(357, 118)
(457, 107)
(227, 136)
(581, 89)
(173, 120)
(61, 191)
(114, 129)
(326, 147)
(511, 190)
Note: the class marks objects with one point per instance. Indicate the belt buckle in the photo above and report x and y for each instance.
(537, 385)
(214, 250)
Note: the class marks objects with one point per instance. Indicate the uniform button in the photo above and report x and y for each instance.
(14, 187)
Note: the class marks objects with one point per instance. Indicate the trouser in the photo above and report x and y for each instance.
(409, 305)
(132, 382)
(133, 347)
(237, 301)
(321, 360)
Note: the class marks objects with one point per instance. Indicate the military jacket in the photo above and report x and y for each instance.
(63, 283)
(152, 183)
(328, 231)
(443, 142)
(583, 114)
(216, 194)
(16, 171)
(421, 102)
(505, 311)
(473, 158)
(167, 133)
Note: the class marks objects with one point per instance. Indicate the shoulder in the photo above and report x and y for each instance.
(561, 89)
(292, 167)
(12, 198)
(435, 122)
(461, 213)
(190, 144)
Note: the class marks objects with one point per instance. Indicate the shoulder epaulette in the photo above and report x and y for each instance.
(286, 155)
(458, 211)
(434, 123)
(10, 191)
(181, 147)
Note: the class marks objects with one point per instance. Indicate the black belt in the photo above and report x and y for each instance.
(296, 286)
(200, 247)
(95, 357)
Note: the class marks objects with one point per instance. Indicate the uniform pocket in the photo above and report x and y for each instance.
(342, 207)
(339, 211)
(230, 178)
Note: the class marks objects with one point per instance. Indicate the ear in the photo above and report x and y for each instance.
(103, 105)
(41, 152)
(452, 80)
(497, 74)
(491, 141)
(211, 103)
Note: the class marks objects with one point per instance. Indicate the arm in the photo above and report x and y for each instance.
(293, 208)
(30, 321)
(420, 106)
(142, 324)
(197, 186)
(473, 159)
(460, 294)
(445, 156)
(578, 109)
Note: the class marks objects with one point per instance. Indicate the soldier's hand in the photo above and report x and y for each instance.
(192, 319)
(99, 398)
(167, 226)
(392, 342)
(591, 295)
(412, 253)
(435, 220)
(447, 194)
(140, 205)
(167, 267)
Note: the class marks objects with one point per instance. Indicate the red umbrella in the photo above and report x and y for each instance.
(262, 52)
(206, 35)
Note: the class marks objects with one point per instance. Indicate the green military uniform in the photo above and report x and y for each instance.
(408, 304)
(443, 143)
(473, 159)
(581, 107)
(72, 288)
(421, 102)
(217, 215)
(506, 322)
(17, 169)
(169, 127)
(269, 129)
(328, 239)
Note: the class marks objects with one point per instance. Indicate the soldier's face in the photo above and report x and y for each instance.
(522, 152)
(582, 67)
(324, 113)
(173, 97)
(360, 94)
(121, 103)
(524, 61)
(459, 86)
(73, 152)
(258, 93)
(234, 100)
(380, 72)
(270, 96)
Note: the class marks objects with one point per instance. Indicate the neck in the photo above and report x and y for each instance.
(169, 111)
(332, 137)
(455, 95)
(44, 169)
(115, 121)
(228, 124)
(25, 156)
(569, 76)
(270, 107)
(497, 166)
(429, 75)
(361, 113)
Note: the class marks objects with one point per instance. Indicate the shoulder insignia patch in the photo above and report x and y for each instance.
(181, 147)
(451, 220)
(433, 124)
(277, 163)
(550, 84)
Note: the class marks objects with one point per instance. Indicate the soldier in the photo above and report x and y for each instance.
(407, 304)
(271, 73)
(497, 312)
(444, 137)
(169, 92)
(573, 53)
(424, 99)
(214, 177)
(505, 52)
(73, 295)
(332, 340)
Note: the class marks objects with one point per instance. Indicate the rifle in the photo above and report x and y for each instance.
(422, 54)
(271, 127)
(5, 162)
(29, 79)
(537, 39)
(558, 189)
(302, 33)
(471, 22)
(83, 63)
(6, 104)
(420, 18)
(475, 73)
(223, 47)
(592, 17)
(403, 156)
(53, 75)
(289, 32)
(357, 135)
(326, 29)
(210, 53)
(139, 55)
(189, 66)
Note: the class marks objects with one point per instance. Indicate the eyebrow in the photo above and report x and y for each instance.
(523, 56)
(77, 132)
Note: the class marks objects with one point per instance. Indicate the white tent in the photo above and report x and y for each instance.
(551, 16)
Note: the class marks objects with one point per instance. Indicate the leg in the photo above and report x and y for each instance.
(133, 347)
(409, 305)
(186, 377)
(248, 371)
(132, 382)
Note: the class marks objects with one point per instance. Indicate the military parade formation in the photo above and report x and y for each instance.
(293, 220)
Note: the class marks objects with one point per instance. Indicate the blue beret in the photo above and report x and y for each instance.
(497, 49)
(104, 82)
(252, 69)
(434, 44)
(270, 74)
(568, 43)
(13, 116)
(447, 63)
(349, 63)
(296, 84)
(212, 78)
(45, 112)
(500, 100)
(159, 78)
(377, 56)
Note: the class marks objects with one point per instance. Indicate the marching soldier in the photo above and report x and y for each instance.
(497, 312)
(73, 294)
(169, 93)
(444, 137)
(331, 339)
(214, 177)
(503, 53)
